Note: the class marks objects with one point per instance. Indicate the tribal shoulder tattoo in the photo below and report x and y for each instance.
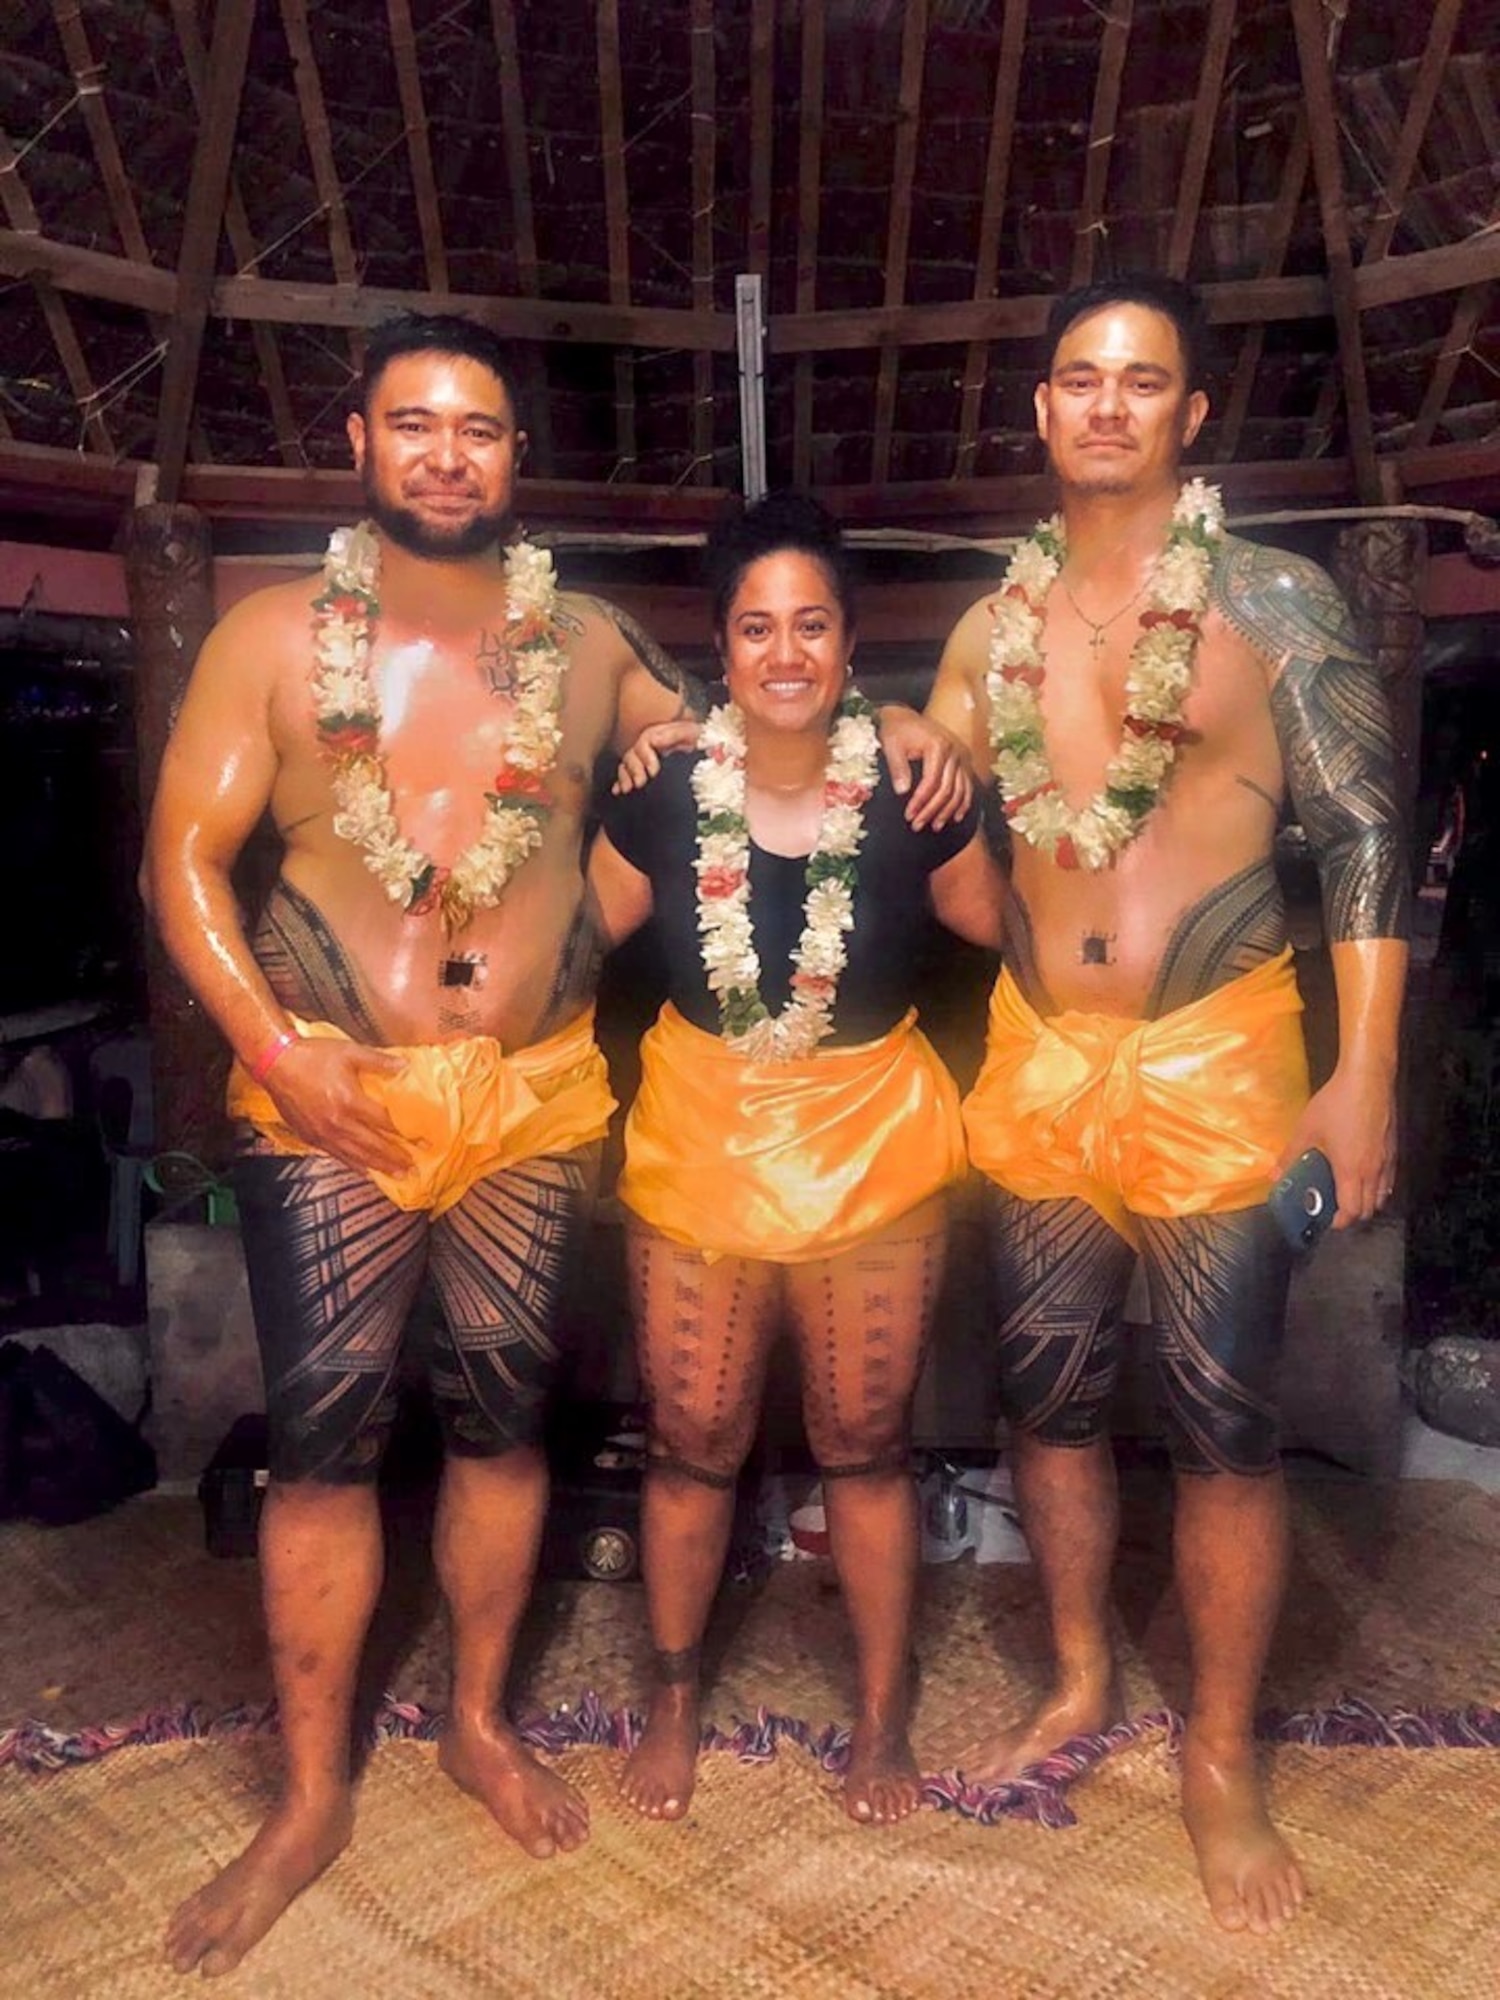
(657, 661)
(1333, 724)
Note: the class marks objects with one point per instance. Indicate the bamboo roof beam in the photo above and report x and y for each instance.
(991, 220)
(1419, 110)
(762, 133)
(703, 121)
(1328, 176)
(1112, 52)
(523, 221)
(898, 232)
(1201, 136)
(616, 215)
(23, 218)
(809, 203)
(242, 243)
(418, 142)
(208, 189)
(319, 136)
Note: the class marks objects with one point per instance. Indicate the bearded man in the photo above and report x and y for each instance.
(1149, 691)
(416, 1078)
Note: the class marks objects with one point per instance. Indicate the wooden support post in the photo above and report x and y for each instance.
(169, 579)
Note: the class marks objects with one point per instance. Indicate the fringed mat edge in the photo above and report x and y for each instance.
(1038, 1795)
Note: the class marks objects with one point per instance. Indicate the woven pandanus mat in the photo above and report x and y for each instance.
(766, 1892)
(1395, 1596)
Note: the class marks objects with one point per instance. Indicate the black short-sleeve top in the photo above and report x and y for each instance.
(656, 830)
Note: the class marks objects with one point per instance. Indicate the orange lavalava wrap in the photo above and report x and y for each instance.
(786, 1161)
(1186, 1115)
(464, 1109)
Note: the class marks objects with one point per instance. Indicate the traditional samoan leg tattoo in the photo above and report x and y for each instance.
(862, 1321)
(1218, 1288)
(703, 1334)
(334, 1267)
(1020, 955)
(307, 968)
(657, 661)
(499, 1260)
(1238, 925)
(1061, 1273)
(1333, 723)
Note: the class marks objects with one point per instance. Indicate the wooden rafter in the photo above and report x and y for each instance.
(991, 218)
(208, 187)
(288, 302)
(319, 136)
(1278, 238)
(1201, 135)
(1328, 174)
(762, 133)
(523, 220)
(1467, 314)
(1112, 51)
(809, 204)
(616, 213)
(1319, 430)
(898, 232)
(23, 218)
(88, 81)
(242, 243)
(1473, 72)
(1424, 94)
(703, 87)
(418, 142)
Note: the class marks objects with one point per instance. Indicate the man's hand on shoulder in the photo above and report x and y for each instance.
(317, 1089)
(946, 787)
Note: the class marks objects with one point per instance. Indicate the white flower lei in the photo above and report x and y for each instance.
(722, 863)
(347, 706)
(1156, 688)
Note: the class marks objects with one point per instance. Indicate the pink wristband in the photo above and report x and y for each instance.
(270, 1055)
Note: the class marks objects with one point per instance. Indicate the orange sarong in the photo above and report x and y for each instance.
(786, 1161)
(464, 1109)
(1185, 1115)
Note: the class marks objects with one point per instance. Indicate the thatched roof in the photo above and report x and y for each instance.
(204, 205)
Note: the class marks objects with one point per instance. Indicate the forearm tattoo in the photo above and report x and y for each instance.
(1334, 727)
(657, 661)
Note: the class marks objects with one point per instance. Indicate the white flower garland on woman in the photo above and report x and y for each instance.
(1156, 688)
(722, 863)
(345, 619)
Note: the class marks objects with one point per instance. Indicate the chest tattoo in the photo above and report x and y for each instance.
(497, 663)
(463, 970)
(1097, 948)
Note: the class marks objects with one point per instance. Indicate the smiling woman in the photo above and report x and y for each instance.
(794, 1132)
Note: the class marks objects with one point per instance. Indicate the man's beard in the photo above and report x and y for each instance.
(432, 541)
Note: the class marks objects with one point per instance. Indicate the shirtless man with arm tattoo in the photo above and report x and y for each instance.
(416, 1076)
(1148, 690)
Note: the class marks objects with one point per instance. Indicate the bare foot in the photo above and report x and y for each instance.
(540, 1811)
(882, 1783)
(1250, 1875)
(214, 1929)
(660, 1772)
(1066, 1712)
